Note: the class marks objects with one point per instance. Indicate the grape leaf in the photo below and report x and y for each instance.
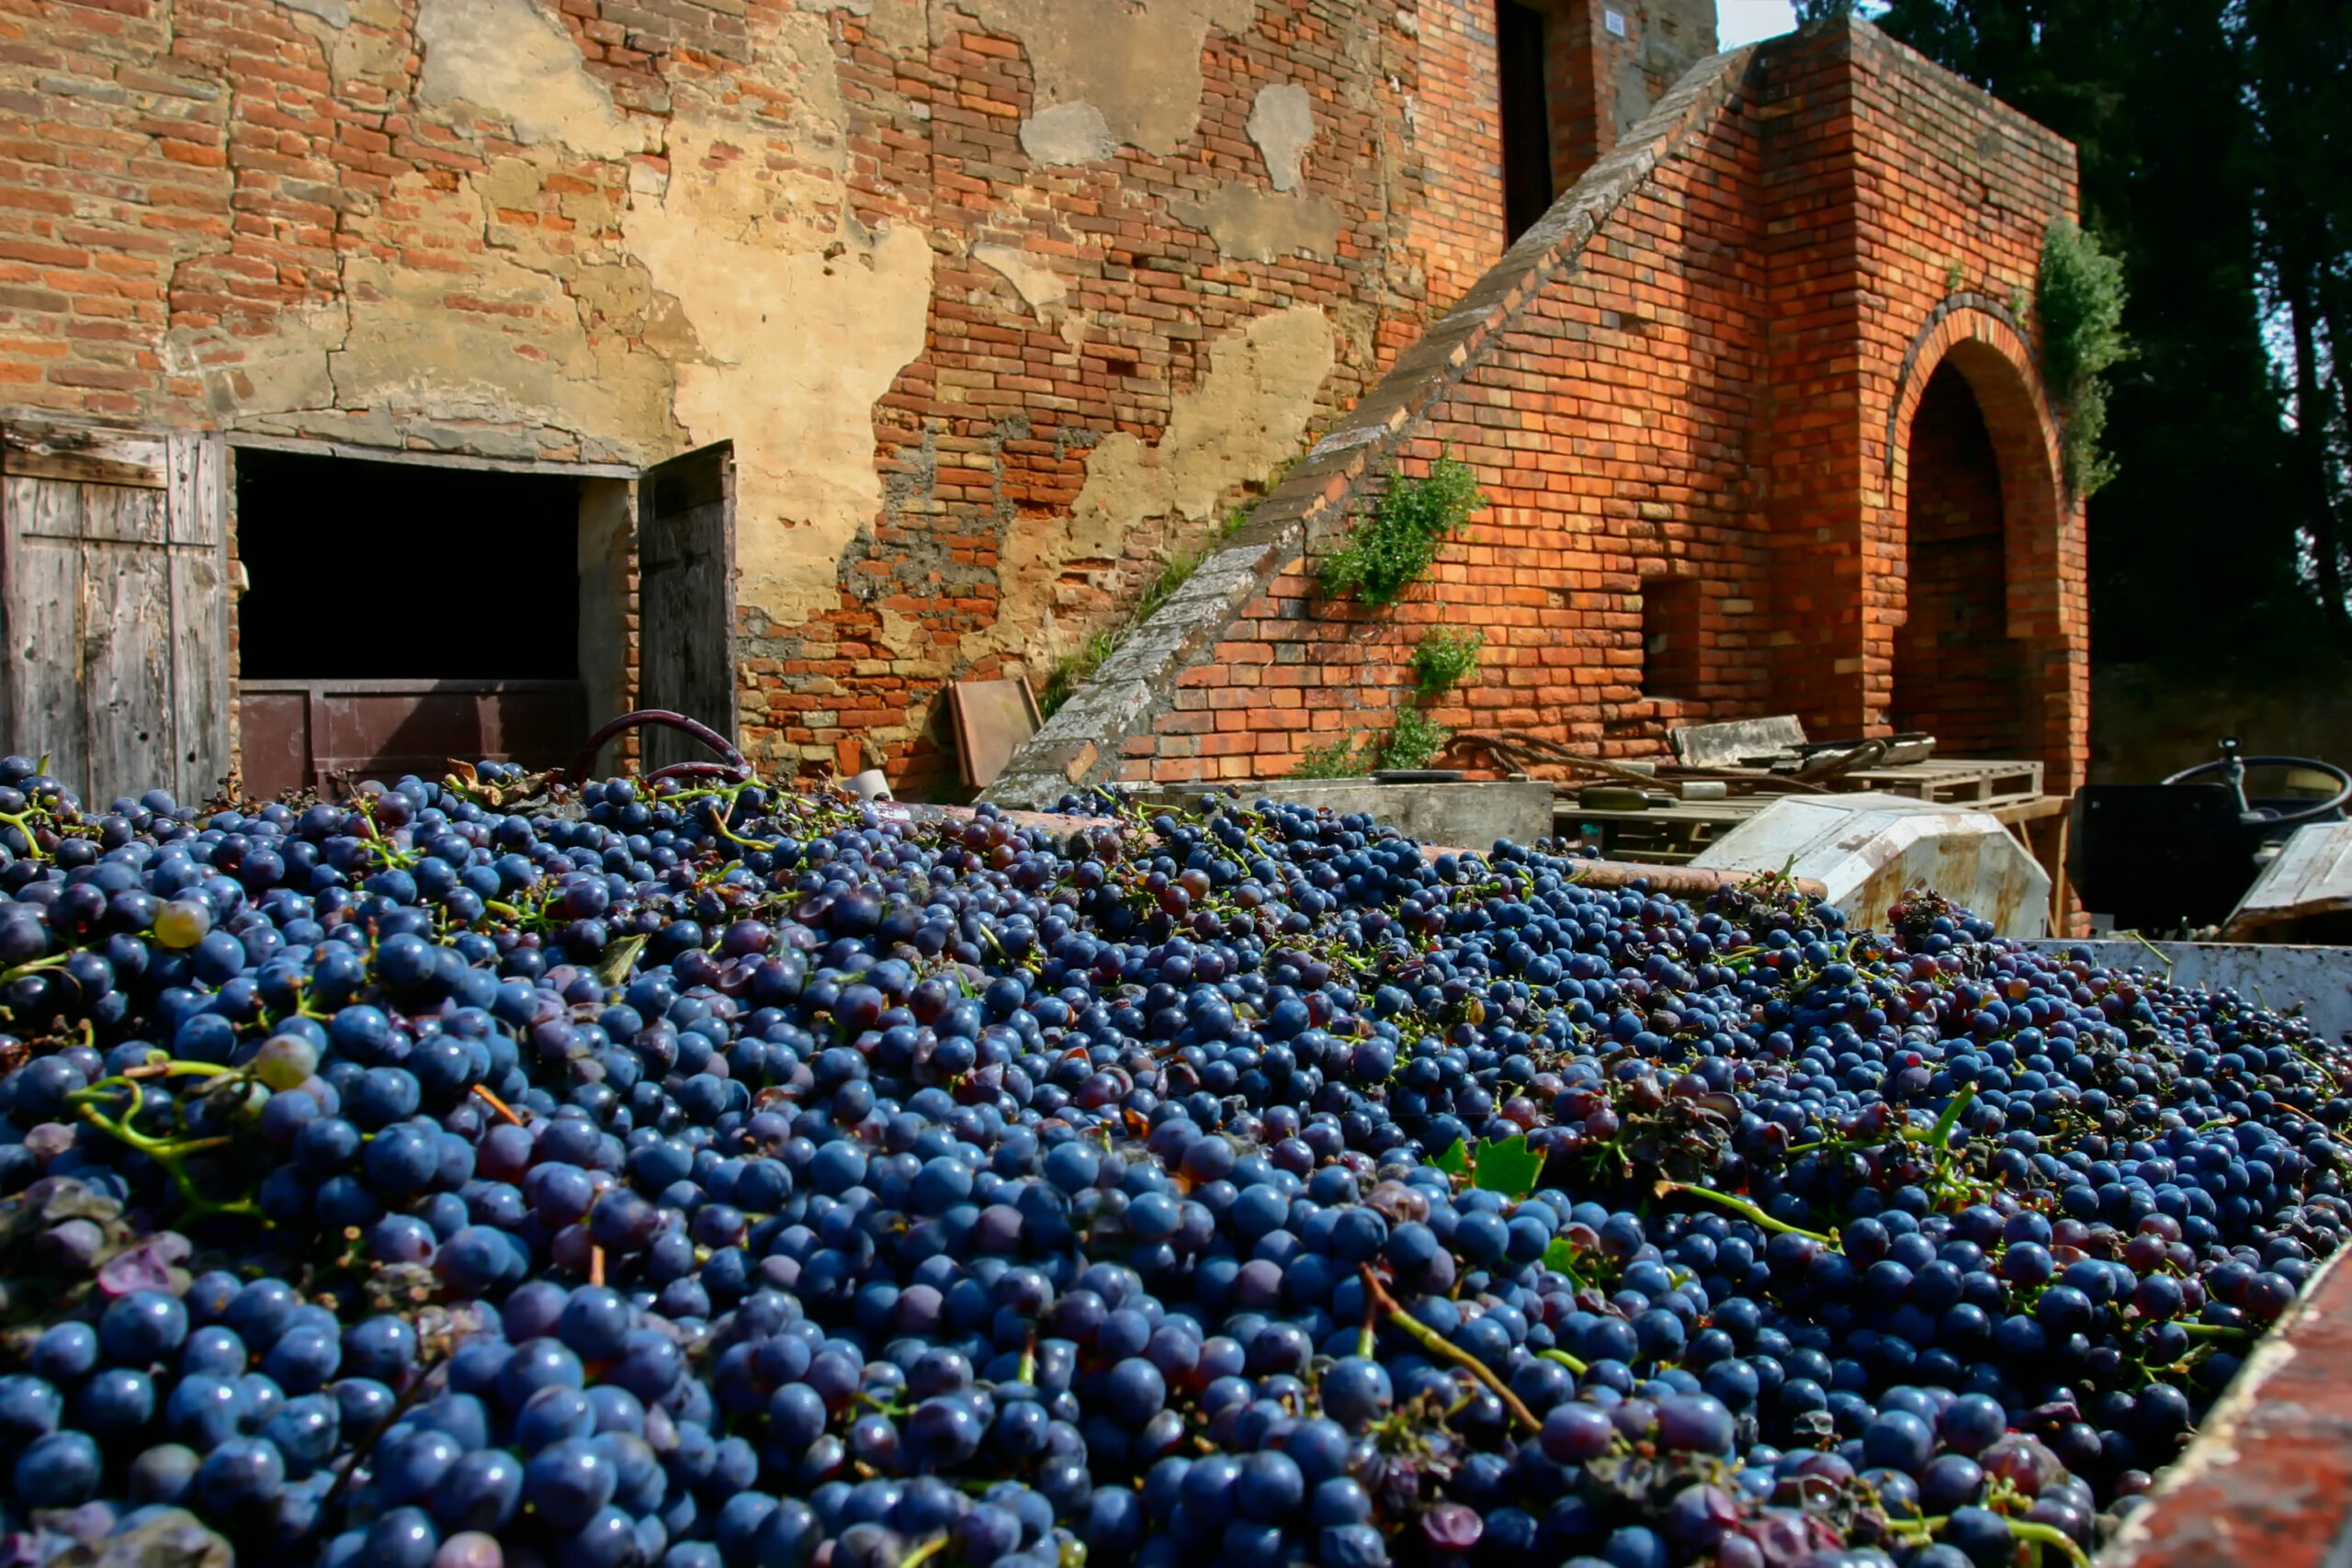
(1508, 1166)
(1455, 1160)
(1561, 1257)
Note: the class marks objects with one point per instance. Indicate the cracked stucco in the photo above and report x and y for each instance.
(1137, 64)
(1282, 124)
(1247, 416)
(510, 59)
(1252, 225)
(797, 344)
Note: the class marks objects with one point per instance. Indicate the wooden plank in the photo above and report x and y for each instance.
(40, 599)
(125, 688)
(201, 707)
(37, 447)
(309, 447)
(2310, 876)
(1724, 745)
(686, 598)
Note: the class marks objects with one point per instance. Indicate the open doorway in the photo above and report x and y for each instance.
(1958, 673)
(402, 613)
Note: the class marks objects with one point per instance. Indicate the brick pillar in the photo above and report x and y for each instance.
(1814, 441)
(1608, 61)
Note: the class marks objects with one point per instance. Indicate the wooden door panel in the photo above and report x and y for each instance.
(687, 597)
(113, 594)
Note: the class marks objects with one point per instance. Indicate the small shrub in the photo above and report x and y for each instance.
(1415, 742)
(1443, 660)
(1386, 552)
(1341, 760)
(2080, 300)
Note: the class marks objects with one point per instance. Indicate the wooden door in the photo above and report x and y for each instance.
(685, 552)
(114, 606)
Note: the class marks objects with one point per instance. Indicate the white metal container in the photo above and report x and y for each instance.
(1868, 849)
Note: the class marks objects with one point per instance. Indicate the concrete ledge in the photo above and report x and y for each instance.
(1081, 745)
(1471, 814)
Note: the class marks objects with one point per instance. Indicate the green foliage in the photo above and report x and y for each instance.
(1508, 1166)
(1341, 760)
(1503, 1165)
(2205, 145)
(1072, 672)
(1415, 742)
(1387, 552)
(1443, 660)
(2080, 304)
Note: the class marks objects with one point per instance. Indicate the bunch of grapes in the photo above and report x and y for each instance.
(499, 1174)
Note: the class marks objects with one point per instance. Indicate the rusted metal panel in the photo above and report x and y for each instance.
(1868, 849)
(686, 552)
(277, 739)
(305, 733)
(993, 720)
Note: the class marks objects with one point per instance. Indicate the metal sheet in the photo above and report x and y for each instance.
(1868, 849)
(2318, 981)
(992, 719)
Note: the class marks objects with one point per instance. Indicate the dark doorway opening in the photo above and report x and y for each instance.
(403, 614)
(405, 570)
(1958, 673)
(1526, 116)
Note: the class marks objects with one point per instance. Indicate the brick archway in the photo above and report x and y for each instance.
(1972, 351)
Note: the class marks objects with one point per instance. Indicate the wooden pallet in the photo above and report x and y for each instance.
(1667, 835)
(1952, 781)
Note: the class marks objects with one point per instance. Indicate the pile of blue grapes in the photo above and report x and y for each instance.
(501, 1173)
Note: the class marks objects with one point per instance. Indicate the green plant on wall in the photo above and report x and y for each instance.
(1442, 660)
(1388, 550)
(2080, 301)
(1413, 742)
(1342, 759)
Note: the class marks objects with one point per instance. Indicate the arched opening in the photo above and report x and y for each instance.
(1958, 673)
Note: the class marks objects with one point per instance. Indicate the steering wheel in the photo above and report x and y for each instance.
(2231, 767)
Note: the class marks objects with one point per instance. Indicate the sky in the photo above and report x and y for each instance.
(1745, 21)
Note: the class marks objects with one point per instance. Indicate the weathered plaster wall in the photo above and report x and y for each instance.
(998, 301)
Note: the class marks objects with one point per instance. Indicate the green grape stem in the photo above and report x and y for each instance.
(1745, 1209)
(1439, 1346)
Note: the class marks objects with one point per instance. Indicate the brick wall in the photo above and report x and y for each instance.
(980, 385)
(262, 217)
(1695, 383)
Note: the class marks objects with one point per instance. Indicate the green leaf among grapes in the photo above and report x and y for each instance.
(1508, 1166)
(1455, 1160)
